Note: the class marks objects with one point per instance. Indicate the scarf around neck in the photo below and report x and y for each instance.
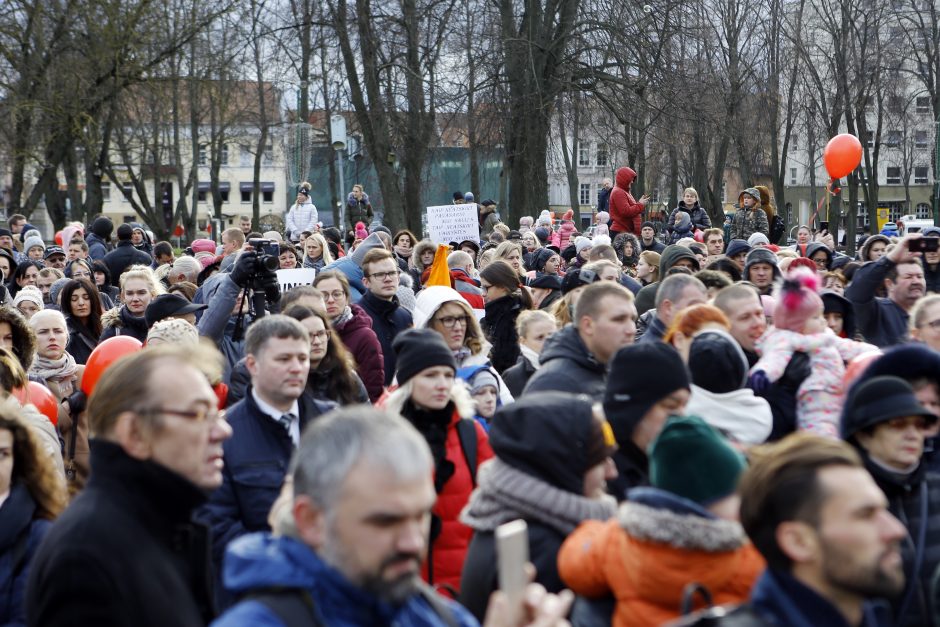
(340, 320)
(58, 371)
(505, 493)
(530, 355)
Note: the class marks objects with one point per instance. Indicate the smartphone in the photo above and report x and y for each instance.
(512, 550)
(824, 225)
(924, 245)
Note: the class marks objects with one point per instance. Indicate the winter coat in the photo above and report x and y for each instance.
(626, 214)
(746, 222)
(740, 414)
(488, 219)
(813, 247)
(363, 344)
(301, 218)
(20, 535)
(417, 267)
(448, 549)
(263, 562)
(658, 544)
(499, 327)
(97, 247)
(618, 244)
(603, 199)
(518, 376)
(217, 322)
(563, 236)
(568, 366)
(358, 210)
(388, 320)
(468, 287)
(881, 321)
(125, 552)
(681, 230)
(81, 344)
(908, 496)
(696, 213)
(256, 460)
(122, 258)
(820, 395)
(120, 321)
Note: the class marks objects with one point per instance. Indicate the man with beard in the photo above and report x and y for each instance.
(821, 522)
(353, 532)
(883, 321)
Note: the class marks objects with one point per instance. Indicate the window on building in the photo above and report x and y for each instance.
(127, 191)
(602, 154)
(202, 192)
(268, 157)
(794, 141)
(106, 192)
(921, 175)
(267, 192)
(584, 154)
(921, 140)
(792, 176)
(584, 197)
(246, 189)
(923, 104)
(869, 138)
(923, 211)
(893, 138)
(246, 159)
(202, 154)
(223, 159)
(893, 176)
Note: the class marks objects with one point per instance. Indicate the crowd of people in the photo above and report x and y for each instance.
(683, 420)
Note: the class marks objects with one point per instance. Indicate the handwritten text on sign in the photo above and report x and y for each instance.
(453, 223)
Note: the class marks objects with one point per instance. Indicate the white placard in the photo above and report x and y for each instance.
(453, 223)
(288, 279)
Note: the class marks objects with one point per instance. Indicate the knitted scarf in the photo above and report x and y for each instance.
(340, 321)
(59, 371)
(505, 493)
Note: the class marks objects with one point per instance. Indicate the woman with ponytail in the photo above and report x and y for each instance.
(505, 297)
(799, 326)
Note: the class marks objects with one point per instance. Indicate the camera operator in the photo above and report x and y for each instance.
(236, 299)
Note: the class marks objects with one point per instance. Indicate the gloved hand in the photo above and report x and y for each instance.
(758, 381)
(244, 268)
(76, 401)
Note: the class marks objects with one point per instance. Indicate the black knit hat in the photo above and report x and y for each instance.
(647, 224)
(541, 257)
(549, 281)
(640, 376)
(419, 349)
(6, 232)
(717, 362)
(102, 227)
(879, 400)
(736, 247)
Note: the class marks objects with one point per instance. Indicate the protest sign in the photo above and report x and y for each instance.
(288, 279)
(453, 223)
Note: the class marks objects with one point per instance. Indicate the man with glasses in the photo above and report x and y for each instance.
(389, 318)
(126, 551)
(267, 425)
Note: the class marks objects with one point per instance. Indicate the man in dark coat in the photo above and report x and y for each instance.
(99, 238)
(575, 359)
(126, 551)
(389, 318)
(125, 255)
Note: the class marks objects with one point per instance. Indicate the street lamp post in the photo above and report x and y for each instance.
(338, 134)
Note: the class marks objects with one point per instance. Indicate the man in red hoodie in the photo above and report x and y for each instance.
(626, 213)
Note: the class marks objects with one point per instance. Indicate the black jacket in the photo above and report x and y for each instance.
(125, 552)
(122, 322)
(389, 319)
(516, 377)
(632, 470)
(881, 321)
(81, 343)
(568, 366)
(781, 394)
(499, 327)
(20, 536)
(123, 257)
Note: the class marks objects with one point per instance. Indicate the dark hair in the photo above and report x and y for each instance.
(102, 267)
(94, 316)
(782, 484)
(501, 274)
(162, 248)
(24, 340)
(724, 264)
(414, 240)
(208, 271)
(338, 365)
(20, 272)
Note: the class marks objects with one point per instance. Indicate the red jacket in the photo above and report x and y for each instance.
(450, 548)
(626, 214)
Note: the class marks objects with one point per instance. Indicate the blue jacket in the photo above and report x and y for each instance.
(389, 319)
(261, 561)
(16, 522)
(353, 272)
(256, 461)
(881, 321)
(97, 247)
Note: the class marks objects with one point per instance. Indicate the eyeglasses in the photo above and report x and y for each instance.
(81, 275)
(451, 321)
(381, 276)
(204, 414)
(338, 294)
(320, 335)
(921, 422)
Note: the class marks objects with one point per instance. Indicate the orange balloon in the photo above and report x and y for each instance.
(857, 366)
(843, 153)
(103, 356)
(58, 237)
(40, 396)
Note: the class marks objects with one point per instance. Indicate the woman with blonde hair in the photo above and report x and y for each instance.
(647, 268)
(32, 494)
(316, 252)
(511, 253)
(139, 286)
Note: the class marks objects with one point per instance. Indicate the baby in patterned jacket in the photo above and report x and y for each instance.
(799, 326)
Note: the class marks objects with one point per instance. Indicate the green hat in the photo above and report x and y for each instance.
(691, 459)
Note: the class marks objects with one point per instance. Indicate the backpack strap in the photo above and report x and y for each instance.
(443, 611)
(293, 606)
(467, 432)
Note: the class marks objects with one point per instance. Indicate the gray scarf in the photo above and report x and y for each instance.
(59, 371)
(340, 320)
(505, 493)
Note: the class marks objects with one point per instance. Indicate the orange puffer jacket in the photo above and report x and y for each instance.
(648, 555)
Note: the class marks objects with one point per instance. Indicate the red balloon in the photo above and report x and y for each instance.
(58, 237)
(842, 155)
(103, 356)
(857, 366)
(40, 396)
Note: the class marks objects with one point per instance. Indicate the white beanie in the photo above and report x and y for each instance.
(757, 238)
(602, 240)
(30, 293)
(581, 242)
(545, 218)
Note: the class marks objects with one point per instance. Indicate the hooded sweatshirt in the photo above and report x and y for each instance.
(681, 229)
(646, 298)
(626, 214)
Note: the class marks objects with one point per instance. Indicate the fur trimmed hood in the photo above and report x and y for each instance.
(686, 531)
(112, 318)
